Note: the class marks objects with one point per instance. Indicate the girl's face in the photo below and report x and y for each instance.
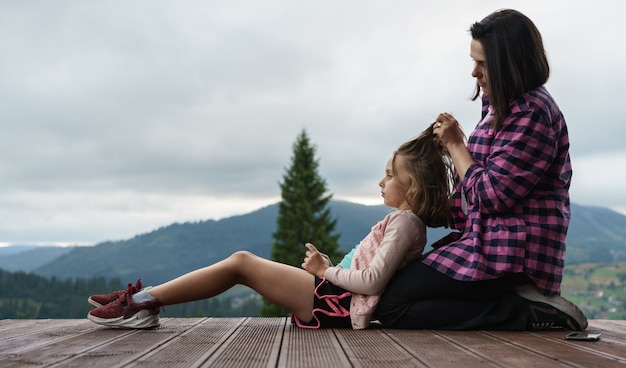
(479, 72)
(394, 185)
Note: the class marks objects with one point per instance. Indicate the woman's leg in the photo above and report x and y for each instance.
(287, 286)
(420, 297)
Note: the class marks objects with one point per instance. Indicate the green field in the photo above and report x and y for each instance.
(599, 289)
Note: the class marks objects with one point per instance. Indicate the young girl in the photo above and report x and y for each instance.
(416, 182)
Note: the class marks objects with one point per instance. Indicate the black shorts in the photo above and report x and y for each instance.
(331, 307)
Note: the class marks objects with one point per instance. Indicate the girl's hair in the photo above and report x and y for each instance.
(516, 61)
(430, 177)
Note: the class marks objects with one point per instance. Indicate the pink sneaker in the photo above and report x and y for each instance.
(100, 300)
(124, 313)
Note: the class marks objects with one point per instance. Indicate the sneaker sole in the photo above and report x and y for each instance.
(94, 303)
(531, 293)
(133, 322)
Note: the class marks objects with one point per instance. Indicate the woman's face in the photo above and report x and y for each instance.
(479, 71)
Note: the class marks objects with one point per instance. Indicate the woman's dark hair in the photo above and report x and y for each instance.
(430, 178)
(515, 62)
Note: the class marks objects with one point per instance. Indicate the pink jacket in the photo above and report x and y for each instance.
(391, 244)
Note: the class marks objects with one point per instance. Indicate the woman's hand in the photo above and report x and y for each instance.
(448, 129)
(315, 262)
(450, 133)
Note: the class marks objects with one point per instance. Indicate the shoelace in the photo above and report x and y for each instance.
(539, 326)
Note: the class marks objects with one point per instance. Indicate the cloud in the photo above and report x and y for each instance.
(119, 117)
(599, 179)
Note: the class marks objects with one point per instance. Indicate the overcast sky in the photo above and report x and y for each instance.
(119, 117)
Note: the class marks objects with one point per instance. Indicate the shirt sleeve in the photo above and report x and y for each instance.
(521, 153)
(404, 238)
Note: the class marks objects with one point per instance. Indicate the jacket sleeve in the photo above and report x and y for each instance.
(404, 237)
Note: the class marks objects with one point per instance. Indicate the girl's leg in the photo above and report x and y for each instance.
(287, 286)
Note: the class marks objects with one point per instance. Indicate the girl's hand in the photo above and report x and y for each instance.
(315, 262)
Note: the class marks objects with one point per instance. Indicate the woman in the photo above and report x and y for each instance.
(503, 270)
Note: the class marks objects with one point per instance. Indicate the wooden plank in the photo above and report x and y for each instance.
(434, 350)
(58, 346)
(500, 352)
(193, 347)
(33, 334)
(615, 330)
(552, 346)
(275, 342)
(612, 343)
(129, 345)
(255, 343)
(311, 348)
(11, 328)
(374, 348)
(109, 347)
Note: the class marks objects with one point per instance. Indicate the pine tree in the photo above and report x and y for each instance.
(303, 214)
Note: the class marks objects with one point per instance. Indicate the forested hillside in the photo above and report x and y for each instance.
(173, 250)
(596, 235)
(28, 258)
(31, 296)
(26, 295)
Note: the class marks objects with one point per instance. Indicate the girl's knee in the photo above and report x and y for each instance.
(241, 257)
(242, 266)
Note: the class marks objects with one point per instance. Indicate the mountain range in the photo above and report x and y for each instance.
(596, 235)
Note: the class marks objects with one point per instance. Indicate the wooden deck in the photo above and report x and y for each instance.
(275, 342)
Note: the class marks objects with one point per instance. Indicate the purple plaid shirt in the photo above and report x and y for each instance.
(512, 207)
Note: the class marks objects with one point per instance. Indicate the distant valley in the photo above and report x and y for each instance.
(596, 235)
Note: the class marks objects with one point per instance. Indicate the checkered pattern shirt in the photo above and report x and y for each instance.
(512, 207)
